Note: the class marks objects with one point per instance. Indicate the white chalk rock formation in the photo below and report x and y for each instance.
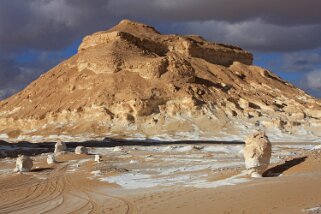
(118, 149)
(97, 158)
(51, 159)
(60, 148)
(132, 82)
(23, 164)
(257, 153)
(81, 150)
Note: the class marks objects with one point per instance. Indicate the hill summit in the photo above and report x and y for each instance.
(133, 82)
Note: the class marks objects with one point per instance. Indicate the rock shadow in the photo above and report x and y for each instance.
(279, 169)
(43, 169)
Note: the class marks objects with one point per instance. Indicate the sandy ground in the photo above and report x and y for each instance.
(164, 179)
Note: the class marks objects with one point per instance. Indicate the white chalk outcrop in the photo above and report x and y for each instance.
(23, 164)
(133, 82)
(257, 153)
(60, 148)
(81, 150)
(98, 158)
(51, 159)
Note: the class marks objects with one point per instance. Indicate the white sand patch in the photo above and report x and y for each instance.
(232, 149)
(313, 210)
(297, 146)
(4, 137)
(5, 171)
(82, 161)
(184, 165)
(318, 147)
(133, 161)
(172, 165)
(96, 173)
(141, 181)
(118, 149)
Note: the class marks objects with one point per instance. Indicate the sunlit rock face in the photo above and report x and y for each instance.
(51, 159)
(257, 153)
(133, 82)
(60, 148)
(81, 150)
(23, 164)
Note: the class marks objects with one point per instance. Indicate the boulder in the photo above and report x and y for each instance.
(60, 148)
(97, 158)
(81, 150)
(257, 153)
(51, 159)
(118, 149)
(23, 164)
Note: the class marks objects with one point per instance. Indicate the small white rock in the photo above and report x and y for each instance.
(98, 158)
(118, 149)
(60, 148)
(23, 164)
(133, 161)
(81, 150)
(51, 159)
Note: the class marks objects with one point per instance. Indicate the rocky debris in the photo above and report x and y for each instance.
(98, 158)
(257, 153)
(118, 149)
(51, 159)
(312, 210)
(133, 82)
(23, 164)
(81, 150)
(133, 161)
(60, 148)
(106, 168)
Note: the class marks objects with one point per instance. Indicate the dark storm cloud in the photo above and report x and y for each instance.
(52, 25)
(285, 12)
(14, 77)
(302, 61)
(48, 24)
(258, 35)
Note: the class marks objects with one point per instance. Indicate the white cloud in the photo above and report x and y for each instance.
(313, 80)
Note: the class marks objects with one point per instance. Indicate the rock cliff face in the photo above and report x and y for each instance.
(133, 82)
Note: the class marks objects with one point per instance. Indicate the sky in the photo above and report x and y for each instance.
(284, 36)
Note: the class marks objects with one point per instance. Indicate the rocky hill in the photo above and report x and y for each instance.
(133, 82)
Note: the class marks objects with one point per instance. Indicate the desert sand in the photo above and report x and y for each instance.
(171, 178)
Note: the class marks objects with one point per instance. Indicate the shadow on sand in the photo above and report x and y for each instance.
(42, 169)
(279, 169)
(31, 149)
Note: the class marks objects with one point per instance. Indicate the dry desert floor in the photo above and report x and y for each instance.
(162, 178)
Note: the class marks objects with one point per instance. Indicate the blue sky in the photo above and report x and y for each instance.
(36, 35)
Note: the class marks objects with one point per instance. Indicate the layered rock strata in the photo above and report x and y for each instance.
(133, 82)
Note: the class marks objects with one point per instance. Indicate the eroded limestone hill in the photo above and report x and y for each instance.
(133, 82)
